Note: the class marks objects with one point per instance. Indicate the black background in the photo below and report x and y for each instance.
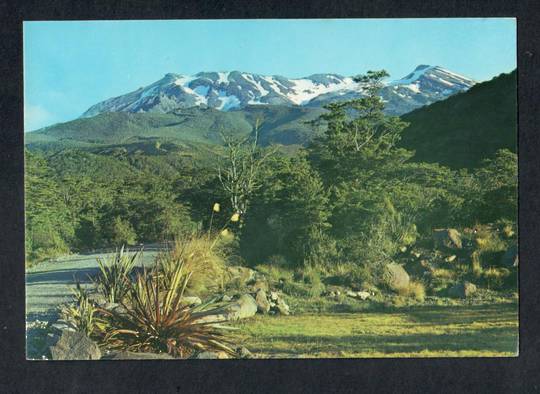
(466, 375)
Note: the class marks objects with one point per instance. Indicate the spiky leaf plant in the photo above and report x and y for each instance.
(82, 314)
(156, 320)
(113, 278)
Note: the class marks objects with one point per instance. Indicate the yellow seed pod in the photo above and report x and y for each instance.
(225, 232)
(235, 217)
(216, 207)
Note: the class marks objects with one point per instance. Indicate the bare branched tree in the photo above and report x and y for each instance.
(239, 171)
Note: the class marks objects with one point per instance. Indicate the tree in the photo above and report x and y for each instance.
(358, 135)
(239, 172)
(122, 232)
(499, 181)
(289, 216)
(48, 228)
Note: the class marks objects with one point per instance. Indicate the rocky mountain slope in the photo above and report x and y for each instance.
(227, 91)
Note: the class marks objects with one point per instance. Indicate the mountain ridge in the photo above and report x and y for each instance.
(227, 91)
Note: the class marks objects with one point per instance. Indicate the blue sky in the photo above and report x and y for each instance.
(69, 66)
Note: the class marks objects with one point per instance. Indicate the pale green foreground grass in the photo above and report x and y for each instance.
(423, 331)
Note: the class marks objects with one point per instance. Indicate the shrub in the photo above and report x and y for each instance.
(276, 269)
(442, 273)
(489, 248)
(113, 278)
(296, 289)
(158, 321)
(312, 277)
(476, 264)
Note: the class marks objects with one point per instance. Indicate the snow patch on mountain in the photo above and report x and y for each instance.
(412, 77)
(223, 77)
(306, 89)
(227, 102)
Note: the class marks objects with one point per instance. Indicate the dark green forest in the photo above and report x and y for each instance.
(348, 185)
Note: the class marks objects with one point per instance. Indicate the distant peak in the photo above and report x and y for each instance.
(422, 67)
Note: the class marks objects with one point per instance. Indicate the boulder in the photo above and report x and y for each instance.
(191, 301)
(449, 238)
(511, 257)
(282, 307)
(395, 277)
(74, 346)
(210, 355)
(243, 275)
(226, 298)
(243, 352)
(450, 259)
(260, 284)
(125, 355)
(362, 295)
(462, 290)
(244, 307)
(114, 307)
(416, 255)
(60, 326)
(263, 305)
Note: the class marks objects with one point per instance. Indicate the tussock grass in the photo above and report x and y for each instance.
(200, 255)
(415, 290)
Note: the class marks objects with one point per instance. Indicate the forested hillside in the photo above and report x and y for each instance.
(466, 128)
(351, 198)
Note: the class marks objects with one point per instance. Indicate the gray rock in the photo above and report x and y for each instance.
(462, 290)
(282, 307)
(362, 295)
(243, 275)
(191, 301)
(243, 352)
(260, 284)
(450, 259)
(74, 346)
(263, 305)
(274, 296)
(60, 327)
(395, 277)
(211, 355)
(449, 238)
(244, 307)
(114, 307)
(511, 256)
(125, 355)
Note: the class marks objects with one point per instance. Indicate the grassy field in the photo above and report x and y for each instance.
(423, 331)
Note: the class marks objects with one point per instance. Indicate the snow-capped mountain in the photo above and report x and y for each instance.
(232, 90)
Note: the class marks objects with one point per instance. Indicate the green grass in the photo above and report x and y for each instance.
(423, 331)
